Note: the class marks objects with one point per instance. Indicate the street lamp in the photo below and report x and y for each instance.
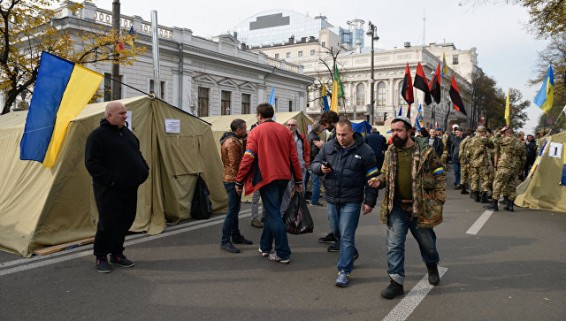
(372, 32)
(115, 85)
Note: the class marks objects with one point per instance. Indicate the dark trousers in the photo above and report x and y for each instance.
(231, 229)
(116, 214)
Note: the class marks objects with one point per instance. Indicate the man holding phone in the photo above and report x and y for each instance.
(347, 162)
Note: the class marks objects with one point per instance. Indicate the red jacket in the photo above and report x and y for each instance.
(270, 153)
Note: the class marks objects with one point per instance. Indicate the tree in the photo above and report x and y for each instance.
(488, 101)
(555, 54)
(28, 27)
(518, 107)
(548, 17)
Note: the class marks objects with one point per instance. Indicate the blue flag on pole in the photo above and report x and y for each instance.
(400, 111)
(272, 97)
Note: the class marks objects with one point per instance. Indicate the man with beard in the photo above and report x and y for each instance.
(415, 191)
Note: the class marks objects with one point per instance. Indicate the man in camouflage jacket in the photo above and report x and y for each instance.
(510, 157)
(415, 192)
(479, 164)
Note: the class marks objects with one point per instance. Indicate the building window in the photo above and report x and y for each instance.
(152, 88)
(290, 105)
(360, 95)
(276, 56)
(288, 55)
(275, 106)
(225, 102)
(203, 101)
(313, 52)
(246, 101)
(324, 44)
(381, 93)
(455, 59)
(300, 53)
(108, 86)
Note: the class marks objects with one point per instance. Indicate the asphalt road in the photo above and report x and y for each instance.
(513, 269)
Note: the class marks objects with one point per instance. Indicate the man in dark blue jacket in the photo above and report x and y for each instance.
(117, 167)
(378, 144)
(347, 163)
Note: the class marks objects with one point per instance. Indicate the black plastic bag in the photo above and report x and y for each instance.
(201, 207)
(297, 217)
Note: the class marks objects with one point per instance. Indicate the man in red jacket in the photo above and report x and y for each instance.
(270, 153)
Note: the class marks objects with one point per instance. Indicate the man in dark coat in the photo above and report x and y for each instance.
(114, 160)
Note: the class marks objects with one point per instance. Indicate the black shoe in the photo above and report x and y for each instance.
(102, 265)
(484, 198)
(433, 276)
(241, 240)
(334, 247)
(315, 204)
(356, 256)
(458, 187)
(476, 196)
(121, 260)
(493, 206)
(464, 191)
(229, 247)
(393, 290)
(329, 238)
(509, 205)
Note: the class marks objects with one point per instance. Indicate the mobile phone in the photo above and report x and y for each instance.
(327, 164)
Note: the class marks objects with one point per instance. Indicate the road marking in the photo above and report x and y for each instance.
(480, 222)
(403, 309)
(40, 261)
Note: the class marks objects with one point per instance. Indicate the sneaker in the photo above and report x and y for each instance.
(102, 265)
(433, 276)
(275, 258)
(257, 223)
(121, 260)
(329, 238)
(393, 290)
(241, 240)
(229, 247)
(343, 279)
(315, 204)
(264, 254)
(334, 247)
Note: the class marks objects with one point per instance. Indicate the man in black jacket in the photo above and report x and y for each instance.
(347, 163)
(114, 160)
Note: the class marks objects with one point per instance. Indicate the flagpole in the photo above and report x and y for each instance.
(115, 85)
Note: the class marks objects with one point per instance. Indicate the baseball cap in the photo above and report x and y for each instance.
(403, 119)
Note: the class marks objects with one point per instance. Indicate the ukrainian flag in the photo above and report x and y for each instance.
(61, 92)
(545, 96)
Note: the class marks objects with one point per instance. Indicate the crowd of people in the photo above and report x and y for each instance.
(272, 161)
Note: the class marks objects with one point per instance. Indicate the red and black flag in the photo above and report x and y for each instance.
(456, 98)
(422, 83)
(435, 86)
(407, 89)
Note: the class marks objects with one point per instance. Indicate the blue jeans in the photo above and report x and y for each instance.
(230, 227)
(456, 173)
(398, 224)
(315, 196)
(273, 226)
(343, 219)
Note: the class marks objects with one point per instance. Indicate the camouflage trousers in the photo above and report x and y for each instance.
(504, 183)
(464, 173)
(478, 174)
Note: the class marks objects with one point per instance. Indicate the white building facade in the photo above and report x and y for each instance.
(205, 77)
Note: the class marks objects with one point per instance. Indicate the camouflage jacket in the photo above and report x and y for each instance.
(478, 149)
(511, 153)
(429, 184)
(464, 154)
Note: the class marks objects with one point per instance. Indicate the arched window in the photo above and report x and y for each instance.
(381, 93)
(360, 95)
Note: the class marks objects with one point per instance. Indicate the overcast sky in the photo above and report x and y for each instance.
(506, 50)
